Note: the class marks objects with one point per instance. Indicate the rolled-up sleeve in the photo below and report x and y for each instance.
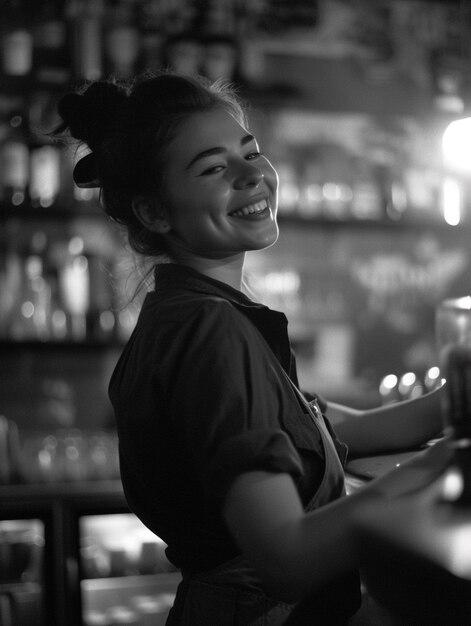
(266, 450)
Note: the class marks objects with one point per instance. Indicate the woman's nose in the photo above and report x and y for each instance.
(248, 176)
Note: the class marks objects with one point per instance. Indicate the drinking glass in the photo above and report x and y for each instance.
(453, 335)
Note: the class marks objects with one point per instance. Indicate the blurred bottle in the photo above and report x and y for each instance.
(220, 57)
(11, 276)
(184, 53)
(122, 38)
(9, 451)
(85, 18)
(46, 173)
(31, 314)
(252, 62)
(101, 321)
(16, 38)
(74, 286)
(152, 33)
(218, 17)
(311, 198)
(14, 156)
(289, 187)
(51, 53)
(367, 201)
(45, 168)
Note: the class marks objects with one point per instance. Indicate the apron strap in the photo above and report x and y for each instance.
(333, 481)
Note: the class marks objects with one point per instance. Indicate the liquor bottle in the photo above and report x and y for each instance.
(85, 18)
(51, 53)
(11, 263)
(453, 333)
(122, 38)
(14, 156)
(151, 20)
(30, 320)
(45, 169)
(74, 286)
(16, 39)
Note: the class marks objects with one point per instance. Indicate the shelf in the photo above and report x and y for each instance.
(56, 212)
(407, 223)
(100, 496)
(24, 84)
(12, 346)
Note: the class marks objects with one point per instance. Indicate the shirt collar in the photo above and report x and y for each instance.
(170, 276)
(271, 324)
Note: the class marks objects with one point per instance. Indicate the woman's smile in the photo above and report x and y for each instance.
(258, 210)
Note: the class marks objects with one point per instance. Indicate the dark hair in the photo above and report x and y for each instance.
(128, 126)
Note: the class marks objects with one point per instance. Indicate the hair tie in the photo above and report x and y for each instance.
(85, 172)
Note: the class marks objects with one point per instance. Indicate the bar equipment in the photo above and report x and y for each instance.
(453, 336)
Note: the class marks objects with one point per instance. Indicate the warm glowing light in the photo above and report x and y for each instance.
(388, 383)
(408, 378)
(451, 201)
(27, 309)
(433, 373)
(460, 552)
(463, 303)
(456, 144)
(453, 485)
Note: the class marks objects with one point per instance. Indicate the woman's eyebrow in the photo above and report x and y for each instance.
(216, 150)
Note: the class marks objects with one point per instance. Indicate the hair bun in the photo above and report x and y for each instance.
(92, 114)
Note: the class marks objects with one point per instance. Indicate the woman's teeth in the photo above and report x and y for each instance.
(258, 207)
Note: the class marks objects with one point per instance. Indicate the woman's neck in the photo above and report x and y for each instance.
(227, 270)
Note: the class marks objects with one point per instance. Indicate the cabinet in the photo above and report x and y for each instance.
(72, 580)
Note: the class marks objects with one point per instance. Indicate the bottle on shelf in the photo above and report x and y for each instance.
(367, 200)
(74, 286)
(30, 313)
(45, 170)
(14, 155)
(16, 39)
(152, 33)
(122, 41)
(85, 18)
(51, 51)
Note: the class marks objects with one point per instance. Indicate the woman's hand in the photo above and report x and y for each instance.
(415, 474)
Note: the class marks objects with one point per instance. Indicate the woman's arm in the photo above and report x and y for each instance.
(291, 551)
(294, 552)
(402, 425)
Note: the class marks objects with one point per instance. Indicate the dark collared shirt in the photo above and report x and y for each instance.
(200, 397)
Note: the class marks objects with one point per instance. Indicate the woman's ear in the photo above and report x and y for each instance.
(150, 215)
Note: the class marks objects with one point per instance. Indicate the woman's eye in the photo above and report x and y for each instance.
(253, 155)
(215, 169)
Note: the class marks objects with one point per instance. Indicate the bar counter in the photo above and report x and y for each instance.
(416, 549)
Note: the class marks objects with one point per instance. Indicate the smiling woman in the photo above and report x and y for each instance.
(221, 454)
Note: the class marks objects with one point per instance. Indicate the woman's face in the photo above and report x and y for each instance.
(220, 192)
